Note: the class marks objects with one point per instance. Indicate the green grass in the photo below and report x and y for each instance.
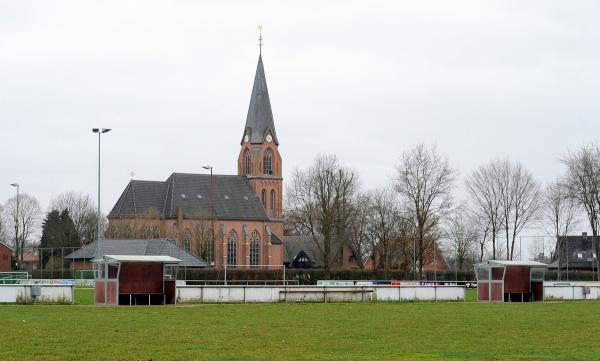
(470, 295)
(359, 331)
(84, 296)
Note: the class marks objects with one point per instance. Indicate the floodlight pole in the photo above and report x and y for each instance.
(100, 131)
(16, 185)
(212, 214)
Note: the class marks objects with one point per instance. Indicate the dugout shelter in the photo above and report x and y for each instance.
(510, 281)
(135, 280)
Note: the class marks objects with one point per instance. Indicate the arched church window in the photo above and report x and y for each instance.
(272, 200)
(187, 240)
(263, 198)
(232, 249)
(254, 249)
(268, 162)
(247, 163)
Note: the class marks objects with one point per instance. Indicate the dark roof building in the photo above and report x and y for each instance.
(225, 219)
(137, 247)
(233, 198)
(577, 253)
(301, 251)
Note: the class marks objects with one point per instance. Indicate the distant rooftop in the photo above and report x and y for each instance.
(138, 247)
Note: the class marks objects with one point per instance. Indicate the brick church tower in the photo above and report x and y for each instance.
(259, 158)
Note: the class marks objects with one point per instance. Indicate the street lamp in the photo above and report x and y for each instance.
(212, 198)
(16, 185)
(212, 215)
(100, 131)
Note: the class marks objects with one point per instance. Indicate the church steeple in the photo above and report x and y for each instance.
(259, 159)
(259, 121)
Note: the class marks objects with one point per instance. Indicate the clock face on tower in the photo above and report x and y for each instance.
(269, 138)
(246, 138)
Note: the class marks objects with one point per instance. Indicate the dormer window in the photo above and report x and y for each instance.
(268, 162)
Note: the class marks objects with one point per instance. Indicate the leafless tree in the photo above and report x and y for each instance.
(520, 200)
(425, 180)
(318, 202)
(4, 238)
(560, 213)
(486, 203)
(582, 179)
(384, 222)
(462, 235)
(560, 210)
(506, 197)
(83, 212)
(482, 224)
(22, 217)
(358, 229)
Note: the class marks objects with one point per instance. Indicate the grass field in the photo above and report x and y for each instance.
(369, 331)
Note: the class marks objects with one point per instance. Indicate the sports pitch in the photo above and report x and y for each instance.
(349, 331)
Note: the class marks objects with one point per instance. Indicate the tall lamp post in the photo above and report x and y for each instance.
(212, 198)
(212, 214)
(100, 131)
(16, 185)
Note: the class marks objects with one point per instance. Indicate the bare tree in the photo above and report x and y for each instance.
(425, 181)
(463, 235)
(560, 214)
(520, 199)
(582, 179)
(358, 229)
(507, 198)
(482, 224)
(3, 229)
(83, 212)
(384, 225)
(486, 202)
(22, 218)
(319, 203)
(560, 210)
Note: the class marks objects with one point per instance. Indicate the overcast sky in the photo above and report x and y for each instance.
(364, 80)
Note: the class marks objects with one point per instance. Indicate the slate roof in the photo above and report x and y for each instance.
(139, 247)
(294, 244)
(260, 116)
(576, 251)
(233, 198)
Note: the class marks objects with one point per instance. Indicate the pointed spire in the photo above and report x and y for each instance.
(260, 117)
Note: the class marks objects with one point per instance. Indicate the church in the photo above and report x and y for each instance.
(233, 220)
